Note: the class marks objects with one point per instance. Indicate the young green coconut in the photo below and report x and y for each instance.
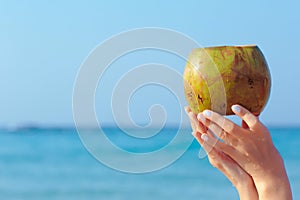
(216, 78)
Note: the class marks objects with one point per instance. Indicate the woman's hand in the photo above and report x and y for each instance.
(238, 177)
(250, 146)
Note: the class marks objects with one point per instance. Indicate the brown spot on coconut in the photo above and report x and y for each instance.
(217, 77)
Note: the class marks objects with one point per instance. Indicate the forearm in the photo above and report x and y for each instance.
(274, 184)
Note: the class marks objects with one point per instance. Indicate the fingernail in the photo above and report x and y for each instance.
(204, 137)
(200, 117)
(235, 108)
(207, 113)
(186, 109)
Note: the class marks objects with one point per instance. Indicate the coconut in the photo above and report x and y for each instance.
(216, 78)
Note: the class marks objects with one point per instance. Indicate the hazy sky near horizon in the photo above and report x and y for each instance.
(43, 44)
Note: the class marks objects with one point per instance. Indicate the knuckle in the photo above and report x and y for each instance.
(224, 136)
(258, 127)
(220, 145)
(215, 129)
(230, 127)
(215, 163)
(251, 119)
(234, 142)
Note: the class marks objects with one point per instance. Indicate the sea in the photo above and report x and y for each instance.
(54, 163)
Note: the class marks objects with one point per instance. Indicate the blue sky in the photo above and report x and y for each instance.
(43, 43)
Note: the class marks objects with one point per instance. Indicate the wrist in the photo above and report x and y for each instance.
(279, 189)
(274, 185)
(272, 182)
(246, 189)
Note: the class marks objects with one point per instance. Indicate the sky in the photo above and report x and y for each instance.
(44, 43)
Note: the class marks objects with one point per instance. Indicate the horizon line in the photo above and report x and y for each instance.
(113, 126)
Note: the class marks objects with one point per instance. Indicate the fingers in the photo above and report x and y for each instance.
(217, 130)
(231, 151)
(213, 142)
(219, 122)
(197, 135)
(187, 109)
(213, 154)
(196, 125)
(249, 119)
(226, 165)
(189, 113)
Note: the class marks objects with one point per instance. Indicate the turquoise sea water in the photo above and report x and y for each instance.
(53, 164)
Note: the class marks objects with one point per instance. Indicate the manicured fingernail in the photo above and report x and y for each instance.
(186, 109)
(236, 109)
(207, 113)
(204, 137)
(194, 133)
(200, 117)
